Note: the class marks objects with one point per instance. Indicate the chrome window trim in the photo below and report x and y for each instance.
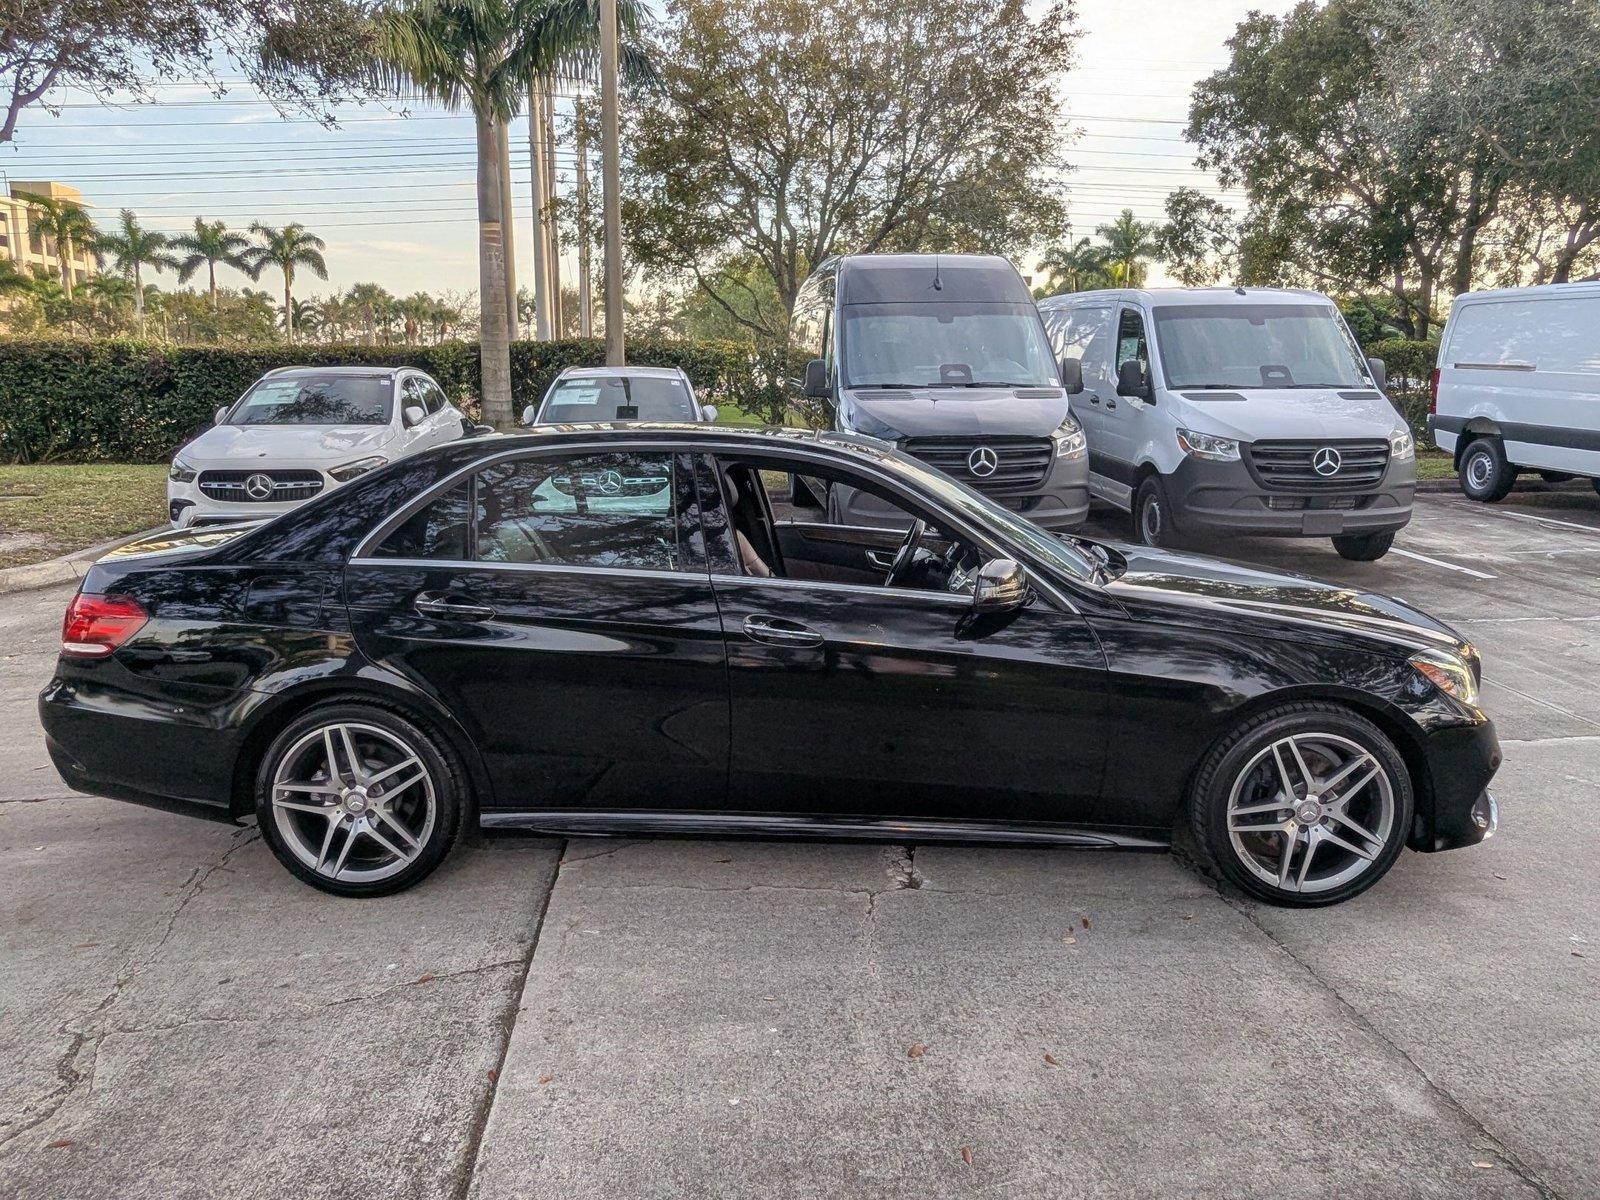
(948, 598)
(462, 564)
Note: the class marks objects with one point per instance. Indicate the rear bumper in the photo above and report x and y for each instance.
(1222, 497)
(1458, 809)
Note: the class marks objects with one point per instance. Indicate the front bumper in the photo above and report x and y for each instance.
(1456, 808)
(188, 506)
(1059, 501)
(1221, 497)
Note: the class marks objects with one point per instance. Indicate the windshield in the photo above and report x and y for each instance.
(1243, 346)
(945, 344)
(618, 398)
(985, 513)
(332, 400)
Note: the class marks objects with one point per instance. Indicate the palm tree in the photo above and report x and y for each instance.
(210, 244)
(302, 314)
(1127, 241)
(132, 248)
(14, 282)
(482, 55)
(417, 311)
(368, 301)
(287, 248)
(68, 225)
(1075, 267)
(333, 315)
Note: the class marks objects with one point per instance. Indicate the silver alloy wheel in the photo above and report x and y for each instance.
(1479, 464)
(1150, 521)
(353, 802)
(1311, 812)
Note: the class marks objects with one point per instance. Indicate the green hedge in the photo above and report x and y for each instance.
(123, 401)
(1410, 366)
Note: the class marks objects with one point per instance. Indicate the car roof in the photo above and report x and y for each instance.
(1210, 295)
(619, 372)
(1536, 292)
(301, 372)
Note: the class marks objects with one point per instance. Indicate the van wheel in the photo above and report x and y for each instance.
(1152, 515)
(1364, 547)
(1485, 473)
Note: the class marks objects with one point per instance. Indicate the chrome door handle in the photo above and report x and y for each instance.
(775, 631)
(454, 607)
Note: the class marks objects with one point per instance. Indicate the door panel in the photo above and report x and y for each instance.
(885, 703)
(846, 553)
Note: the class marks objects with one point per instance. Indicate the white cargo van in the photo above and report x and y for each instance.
(1517, 387)
(1235, 411)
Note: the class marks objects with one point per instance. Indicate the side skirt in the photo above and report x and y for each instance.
(571, 823)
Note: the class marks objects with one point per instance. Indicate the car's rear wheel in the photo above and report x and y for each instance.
(1485, 474)
(1305, 804)
(1364, 547)
(357, 800)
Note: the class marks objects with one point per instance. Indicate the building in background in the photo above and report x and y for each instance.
(25, 244)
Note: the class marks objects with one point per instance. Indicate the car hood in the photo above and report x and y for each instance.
(955, 412)
(241, 447)
(1310, 413)
(1156, 582)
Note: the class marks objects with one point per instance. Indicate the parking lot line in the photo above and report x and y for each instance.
(1522, 516)
(1439, 562)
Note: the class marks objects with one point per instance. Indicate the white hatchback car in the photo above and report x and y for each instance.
(299, 431)
(580, 395)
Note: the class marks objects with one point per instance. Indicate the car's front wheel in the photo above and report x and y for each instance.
(1305, 804)
(357, 800)
(1152, 516)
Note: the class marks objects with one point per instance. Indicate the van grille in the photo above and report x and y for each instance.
(1360, 464)
(287, 486)
(1020, 462)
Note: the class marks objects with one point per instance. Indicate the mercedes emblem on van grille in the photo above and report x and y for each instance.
(1326, 461)
(258, 486)
(983, 462)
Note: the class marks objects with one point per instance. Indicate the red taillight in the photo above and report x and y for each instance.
(96, 625)
(1433, 393)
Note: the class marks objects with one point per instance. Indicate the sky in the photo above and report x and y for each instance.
(391, 190)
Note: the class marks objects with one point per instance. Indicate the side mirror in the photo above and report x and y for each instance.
(528, 414)
(816, 385)
(220, 413)
(1072, 375)
(1380, 373)
(709, 411)
(1001, 586)
(414, 414)
(1131, 381)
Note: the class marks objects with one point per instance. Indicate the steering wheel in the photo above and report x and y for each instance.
(900, 569)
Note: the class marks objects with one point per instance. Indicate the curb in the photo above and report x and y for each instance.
(67, 569)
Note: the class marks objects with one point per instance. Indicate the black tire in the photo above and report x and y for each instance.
(1152, 514)
(1484, 472)
(1364, 547)
(1556, 477)
(1596, 484)
(1241, 757)
(381, 737)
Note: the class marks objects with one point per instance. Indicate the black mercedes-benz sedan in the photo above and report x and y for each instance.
(596, 629)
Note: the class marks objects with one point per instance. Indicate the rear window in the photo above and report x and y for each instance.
(1560, 334)
(329, 400)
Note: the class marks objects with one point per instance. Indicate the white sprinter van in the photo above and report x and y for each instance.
(1517, 387)
(1236, 411)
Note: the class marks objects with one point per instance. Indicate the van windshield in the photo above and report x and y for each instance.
(944, 344)
(1244, 346)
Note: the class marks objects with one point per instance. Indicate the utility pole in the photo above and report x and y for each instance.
(585, 298)
(611, 182)
(541, 282)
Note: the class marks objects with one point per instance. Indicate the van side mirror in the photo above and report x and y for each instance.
(1380, 373)
(1132, 381)
(1072, 375)
(709, 411)
(816, 382)
(217, 417)
(1001, 586)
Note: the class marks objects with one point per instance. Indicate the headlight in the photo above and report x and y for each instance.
(361, 466)
(181, 472)
(855, 419)
(1204, 445)
(1070, 441)
(1401, 445)
(1449, 674)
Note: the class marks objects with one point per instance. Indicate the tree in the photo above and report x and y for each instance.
(481, 55)
(1129, 242)
(132, 248)
(783, 131)
(210, 245)
(1078, 266)
(301, 53)
(287, 248)
(367, 301)
(67, 224)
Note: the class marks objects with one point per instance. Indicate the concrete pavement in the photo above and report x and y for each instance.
(691, 1018)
